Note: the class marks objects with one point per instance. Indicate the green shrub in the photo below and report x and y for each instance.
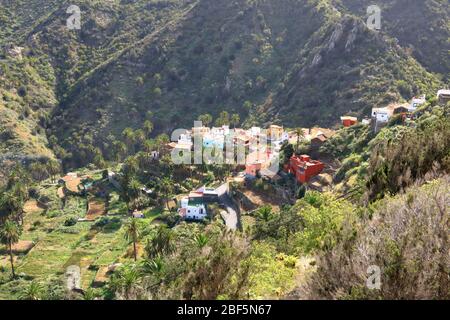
(70, 221)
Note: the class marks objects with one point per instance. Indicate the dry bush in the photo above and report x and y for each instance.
(407, 237)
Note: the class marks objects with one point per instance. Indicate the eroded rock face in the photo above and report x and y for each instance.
(335, 37)
(353, 35)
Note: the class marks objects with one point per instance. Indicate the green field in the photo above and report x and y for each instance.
(89, 245)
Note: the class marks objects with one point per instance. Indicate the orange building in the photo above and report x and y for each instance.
(349, 121)
(275, 132)
(304, 168)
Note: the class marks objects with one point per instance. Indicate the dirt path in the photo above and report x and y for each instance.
(72, 184)
(97, 208)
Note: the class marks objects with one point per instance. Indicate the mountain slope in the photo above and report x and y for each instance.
(347, 68)
(422, 27)
(297, 62)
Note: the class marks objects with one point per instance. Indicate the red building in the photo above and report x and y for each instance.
(349, 121)
(252, 169)
(304, 168)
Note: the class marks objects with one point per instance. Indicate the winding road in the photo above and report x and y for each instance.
(231, 215)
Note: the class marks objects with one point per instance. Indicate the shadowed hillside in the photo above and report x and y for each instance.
(296, 62)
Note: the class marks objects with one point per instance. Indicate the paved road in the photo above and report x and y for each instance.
(231, 215)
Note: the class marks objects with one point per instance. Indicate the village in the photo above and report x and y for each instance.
(260, 155)
(277, 166)
(263, 148)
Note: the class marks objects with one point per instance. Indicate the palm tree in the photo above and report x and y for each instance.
(265, 213)
(235, 119)
(223, 119)
(120, 150)
(132, 234)
(53, 168)
(133, 191)
(139, 137)
(128, 137)
(32, 292)
(148, 146)
(206, 119)
(300, 135)
(155, 266)
(18, 174)
(162, 140)
(201, 240)
(131, 167)
(125, 280)
(9, 235)
(10, 205)
(148, 128)
(166, 188)
(20, 192)
(39, 171)
(162, 243)
(89, 294)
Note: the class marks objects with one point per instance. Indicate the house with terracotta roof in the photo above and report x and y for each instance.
(318, 141)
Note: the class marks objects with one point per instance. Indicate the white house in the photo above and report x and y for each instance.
(226, 130)
(417, 102)
(193, 208)
(185, 138)
(382, 115)
(366, 121)
(138, 214)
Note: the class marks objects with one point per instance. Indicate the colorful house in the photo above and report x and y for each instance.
(201, 131)
(253, 169)
(275, 133)
(349, 121)
(214, 141)
(303, 168)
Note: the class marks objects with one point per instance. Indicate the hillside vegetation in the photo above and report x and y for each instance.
(297, 62)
